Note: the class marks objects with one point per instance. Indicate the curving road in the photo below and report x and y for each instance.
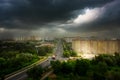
(58, 52)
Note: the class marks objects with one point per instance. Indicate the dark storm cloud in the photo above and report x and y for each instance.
(31, 14)
(109, 21)
(13, 33)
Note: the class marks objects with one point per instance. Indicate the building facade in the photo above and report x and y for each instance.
(96, 46)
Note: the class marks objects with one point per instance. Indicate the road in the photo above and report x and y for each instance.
(22, 75)
(58, 52)
(46, 75)
(59, 56)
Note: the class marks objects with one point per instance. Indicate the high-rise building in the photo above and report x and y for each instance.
(90, 46)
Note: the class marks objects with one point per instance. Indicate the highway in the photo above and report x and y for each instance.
(22, 75)
(58, 52)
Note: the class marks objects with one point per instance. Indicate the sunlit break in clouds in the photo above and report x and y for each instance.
(89, 16)
(60, 18)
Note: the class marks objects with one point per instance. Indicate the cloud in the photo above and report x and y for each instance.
(33, 14)
(65, 17)
(105, 18)
(12, 33)
(89, 16)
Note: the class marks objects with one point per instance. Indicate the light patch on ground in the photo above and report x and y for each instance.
(87, 56)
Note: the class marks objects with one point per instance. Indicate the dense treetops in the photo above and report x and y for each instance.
(14, 56)
(67, 50)
(102, 67)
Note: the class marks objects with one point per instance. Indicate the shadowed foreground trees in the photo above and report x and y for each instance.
(102, 67)
(35, 73)
(13, 61)
(14, 56)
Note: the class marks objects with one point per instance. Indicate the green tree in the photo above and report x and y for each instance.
(82, 66)
(56, 65)
(35, 73)
(99, 71)
(73, 53)
(66, 68)
(113, 75)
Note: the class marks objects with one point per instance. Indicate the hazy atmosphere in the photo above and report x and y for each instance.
(59, 39)
(60, 18)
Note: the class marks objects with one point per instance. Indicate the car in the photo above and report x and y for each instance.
(53, 57)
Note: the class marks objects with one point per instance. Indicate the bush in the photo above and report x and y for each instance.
(15, 61)
(35, 73)
(113, 75)
(68, 50)
(82, 66)
(66, 53)
(56, 65)
(102, 67)
(73, 53)
(44, 50)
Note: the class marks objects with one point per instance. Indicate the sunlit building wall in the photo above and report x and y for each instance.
(96, 46)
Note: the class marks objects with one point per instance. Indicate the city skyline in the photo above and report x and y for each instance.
(60, 18)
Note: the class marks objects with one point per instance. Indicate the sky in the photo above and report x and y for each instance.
(56, 18)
